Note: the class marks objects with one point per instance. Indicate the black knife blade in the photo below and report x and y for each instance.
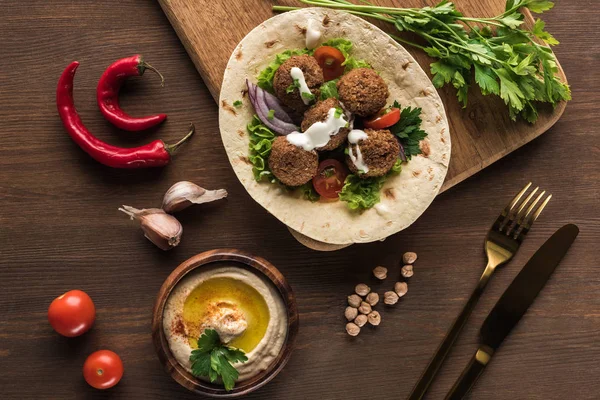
(525, 287)
(513, 304)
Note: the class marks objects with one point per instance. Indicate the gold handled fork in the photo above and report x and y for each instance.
(501, 243)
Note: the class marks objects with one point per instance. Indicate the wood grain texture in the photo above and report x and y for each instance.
(241, 259)
(60, 230)
(481, 134)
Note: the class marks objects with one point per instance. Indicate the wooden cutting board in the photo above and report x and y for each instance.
(481, 134)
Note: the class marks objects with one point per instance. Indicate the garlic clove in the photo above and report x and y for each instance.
(160, 228)
(183, 194)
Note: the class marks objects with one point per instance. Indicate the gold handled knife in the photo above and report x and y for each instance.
(513, 304)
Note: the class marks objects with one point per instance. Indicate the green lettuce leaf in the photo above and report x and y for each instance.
(309, 193)
(261, 140)
(362, 194)
(345, 46)
(329, 89)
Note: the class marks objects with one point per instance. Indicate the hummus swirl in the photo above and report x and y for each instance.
(236, 303)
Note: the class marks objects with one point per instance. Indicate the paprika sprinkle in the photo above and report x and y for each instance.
(153, 154)
(107, 94)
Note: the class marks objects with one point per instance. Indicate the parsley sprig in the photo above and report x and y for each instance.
(214, 359)
(408, 129)
(504, 57)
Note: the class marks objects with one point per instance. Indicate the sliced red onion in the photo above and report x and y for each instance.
(274, 104)
(402, 154)
(258, 100)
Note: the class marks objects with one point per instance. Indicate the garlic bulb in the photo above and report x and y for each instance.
(183, 194)
(160, 228)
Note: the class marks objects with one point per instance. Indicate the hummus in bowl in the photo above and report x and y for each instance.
(244, 299)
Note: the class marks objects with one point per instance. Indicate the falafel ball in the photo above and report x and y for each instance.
(362, 91)
(292, 165)
(318, 113)
(313, 75)
(380, 151)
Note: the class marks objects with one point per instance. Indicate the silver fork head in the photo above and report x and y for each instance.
(515, 222)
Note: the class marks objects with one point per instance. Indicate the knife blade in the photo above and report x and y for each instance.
(513, 304)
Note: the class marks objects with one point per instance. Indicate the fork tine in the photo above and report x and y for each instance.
(534, 191)
(502, 219)
(515, 218)
(522, 216)
(522, 228)
(537, 213)
(516, 199)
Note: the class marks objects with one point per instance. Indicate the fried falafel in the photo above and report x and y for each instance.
(313, 75)
(292, 165)
(380, 151)
(362, 91)
(318, 113)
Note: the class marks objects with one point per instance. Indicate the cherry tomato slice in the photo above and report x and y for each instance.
(383, 121)
(72, 314)
(330, 59)
(103, 369)
(330, 178)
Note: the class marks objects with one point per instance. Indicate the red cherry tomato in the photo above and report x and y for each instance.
(330, 178)
(383, 121)
(330, 59)
(72, 314)
(103, 369)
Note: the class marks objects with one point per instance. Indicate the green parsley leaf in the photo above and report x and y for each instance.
(487, 80)
(295, 85)
(408, 130)
(208, 340)
(538, 6)
(338, 112)
(307, 96)
(214, 359)
(271, 114)
(539, 32)
(512, 20)
(237, 103)
(509, 90)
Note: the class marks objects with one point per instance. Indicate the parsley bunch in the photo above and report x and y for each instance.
(501, 55)
(213, 359)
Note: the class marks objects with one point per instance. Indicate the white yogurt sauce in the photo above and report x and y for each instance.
(297, 75)
(319, 133)
(382, 209)
(312, 35)
(355, 136)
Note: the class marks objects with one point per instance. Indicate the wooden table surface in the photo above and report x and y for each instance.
(60, 230)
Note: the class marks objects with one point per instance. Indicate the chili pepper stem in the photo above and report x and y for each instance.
(144, 65)
(172, 148)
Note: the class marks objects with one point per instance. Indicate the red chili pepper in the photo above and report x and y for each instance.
(107, 94)
(154, 154)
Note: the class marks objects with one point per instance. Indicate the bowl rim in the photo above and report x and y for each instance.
(252, 262)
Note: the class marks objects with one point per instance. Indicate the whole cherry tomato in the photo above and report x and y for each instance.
(72, 314)
(330, 178)
(103, 369)
(330, 59)
(382, 121)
